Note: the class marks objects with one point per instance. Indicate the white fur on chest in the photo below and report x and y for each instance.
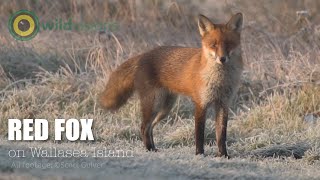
(220, 82)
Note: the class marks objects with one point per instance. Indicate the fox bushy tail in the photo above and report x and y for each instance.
(120, 85)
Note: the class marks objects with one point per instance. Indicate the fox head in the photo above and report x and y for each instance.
(220, 42)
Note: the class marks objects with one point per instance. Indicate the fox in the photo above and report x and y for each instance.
(209, 75)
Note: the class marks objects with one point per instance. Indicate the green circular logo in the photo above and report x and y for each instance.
(23, 25)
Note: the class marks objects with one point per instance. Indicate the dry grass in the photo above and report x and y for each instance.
(58, 74)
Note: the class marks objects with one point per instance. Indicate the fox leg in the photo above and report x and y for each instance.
(221, 123)
(147, 104)
(165, 108)
(200, 121)
(155, 106)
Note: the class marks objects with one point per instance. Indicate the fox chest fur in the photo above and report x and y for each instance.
(220, 82)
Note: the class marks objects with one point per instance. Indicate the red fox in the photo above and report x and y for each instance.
(209, 75)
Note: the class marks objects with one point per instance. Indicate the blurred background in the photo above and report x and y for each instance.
(269, 25)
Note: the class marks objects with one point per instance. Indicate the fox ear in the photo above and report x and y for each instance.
(204, 24)
(235, 23)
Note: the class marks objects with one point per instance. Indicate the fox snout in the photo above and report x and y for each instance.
(223, 59)
(223, 55)
(220, 59)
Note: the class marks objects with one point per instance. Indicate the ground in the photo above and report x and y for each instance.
(172, 163)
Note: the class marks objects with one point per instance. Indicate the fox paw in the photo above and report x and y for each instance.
(153, 150)
(223, 155)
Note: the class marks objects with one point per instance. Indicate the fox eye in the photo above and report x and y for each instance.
(214, 45)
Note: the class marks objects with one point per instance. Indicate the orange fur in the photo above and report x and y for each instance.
(209, 75)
